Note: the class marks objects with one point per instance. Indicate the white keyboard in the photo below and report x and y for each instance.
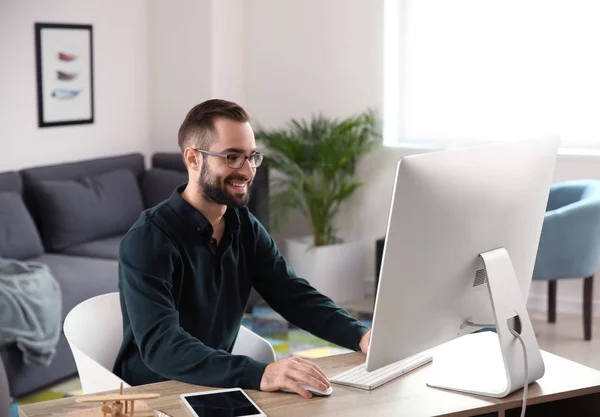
(358, 376)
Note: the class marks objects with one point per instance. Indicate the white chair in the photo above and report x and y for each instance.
(94, 331)
(250, 344)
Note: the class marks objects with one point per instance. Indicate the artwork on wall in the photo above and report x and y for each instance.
(65, 74)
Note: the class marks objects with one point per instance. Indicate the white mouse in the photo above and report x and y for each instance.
(312, 390)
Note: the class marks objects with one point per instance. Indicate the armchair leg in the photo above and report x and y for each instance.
(552, 301)
(588, 284)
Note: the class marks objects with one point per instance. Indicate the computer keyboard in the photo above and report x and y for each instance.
(358, 376)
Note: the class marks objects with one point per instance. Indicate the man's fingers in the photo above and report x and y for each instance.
(315, 368)
(312, 365)
(314, 375)
(294, 386)
(292, 374)
(307, 378)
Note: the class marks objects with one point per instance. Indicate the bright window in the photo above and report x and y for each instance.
(466, 71)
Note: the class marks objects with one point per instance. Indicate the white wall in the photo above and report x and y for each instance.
(228, 49)
(120, 83)
(179, 40)
(310, 56)
(196, 53)
(278, 59)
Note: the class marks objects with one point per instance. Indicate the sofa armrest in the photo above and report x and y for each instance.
(4, 393)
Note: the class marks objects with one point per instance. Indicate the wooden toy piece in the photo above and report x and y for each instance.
(122, 405)
(117, 409)
(117, 397)
(121, 392)
(105, 409)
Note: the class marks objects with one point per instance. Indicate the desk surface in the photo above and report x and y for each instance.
(407, 395)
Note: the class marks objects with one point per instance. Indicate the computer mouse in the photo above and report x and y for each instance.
(312, 390)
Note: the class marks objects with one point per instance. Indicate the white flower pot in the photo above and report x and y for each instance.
(334, 270)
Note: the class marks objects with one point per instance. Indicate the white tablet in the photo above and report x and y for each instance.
(230, 402)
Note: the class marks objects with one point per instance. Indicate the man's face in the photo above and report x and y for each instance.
(220, 183)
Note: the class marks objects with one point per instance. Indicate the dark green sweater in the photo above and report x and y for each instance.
(183, 298)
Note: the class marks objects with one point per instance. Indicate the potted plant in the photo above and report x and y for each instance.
(315, 161)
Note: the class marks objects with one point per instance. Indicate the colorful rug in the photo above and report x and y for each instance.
(286, 339)
(67, 388)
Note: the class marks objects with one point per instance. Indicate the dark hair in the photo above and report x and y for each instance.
(198, 125)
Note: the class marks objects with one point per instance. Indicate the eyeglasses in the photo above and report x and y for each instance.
(236, 160)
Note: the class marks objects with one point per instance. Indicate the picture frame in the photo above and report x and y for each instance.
(65, 74)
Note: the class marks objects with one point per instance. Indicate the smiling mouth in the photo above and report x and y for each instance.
(238, 185)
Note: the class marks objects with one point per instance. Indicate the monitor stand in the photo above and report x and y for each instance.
(487, 363)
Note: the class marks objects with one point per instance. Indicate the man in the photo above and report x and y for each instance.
(187, 265)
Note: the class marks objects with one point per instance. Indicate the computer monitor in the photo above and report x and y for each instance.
(461, 242)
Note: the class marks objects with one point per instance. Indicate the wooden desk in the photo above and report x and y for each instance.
(567, 389)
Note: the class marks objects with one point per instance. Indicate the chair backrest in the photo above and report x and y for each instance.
(94, 331)
(250, 344)
(569, 192)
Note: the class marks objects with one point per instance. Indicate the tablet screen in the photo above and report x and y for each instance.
(221, 404)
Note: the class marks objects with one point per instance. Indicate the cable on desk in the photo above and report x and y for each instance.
(518, 336)
(526, 384)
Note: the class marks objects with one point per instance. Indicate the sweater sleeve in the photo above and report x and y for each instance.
(147, 262)
(297, 301)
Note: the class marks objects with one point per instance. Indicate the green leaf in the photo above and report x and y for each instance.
(317, 160)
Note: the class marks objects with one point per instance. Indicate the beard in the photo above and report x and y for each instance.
(214, 188)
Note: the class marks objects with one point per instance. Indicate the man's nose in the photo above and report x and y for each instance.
(247, 170)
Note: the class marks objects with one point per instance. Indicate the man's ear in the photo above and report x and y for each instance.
(192, 159)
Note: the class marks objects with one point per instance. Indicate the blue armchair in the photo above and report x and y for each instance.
(570, 242)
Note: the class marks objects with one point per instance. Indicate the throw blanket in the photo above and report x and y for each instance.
(30, 309)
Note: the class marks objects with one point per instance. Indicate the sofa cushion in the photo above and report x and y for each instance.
(133, 162)
(11, 181)
(87, 168)
(171, 161)
(107, 248)
(78, 211)
(19, 238)
(158, 184)
(81, 278)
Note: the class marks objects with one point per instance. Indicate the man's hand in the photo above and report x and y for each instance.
(290, 372)
(365, 341)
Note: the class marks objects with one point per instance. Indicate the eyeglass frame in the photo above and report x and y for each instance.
(226, 156)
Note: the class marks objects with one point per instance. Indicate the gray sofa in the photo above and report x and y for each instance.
(4, 395)
(72, 217)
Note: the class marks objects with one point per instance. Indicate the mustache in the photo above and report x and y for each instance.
(237, 177)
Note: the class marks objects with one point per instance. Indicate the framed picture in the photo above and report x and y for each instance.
(65, 74)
